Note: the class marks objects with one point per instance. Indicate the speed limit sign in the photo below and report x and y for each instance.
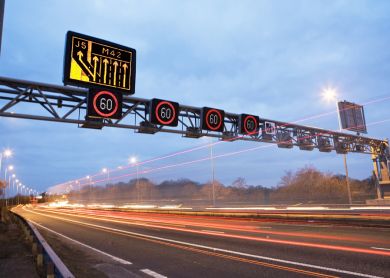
(104, 104)
(163, 112)
(249, 124)
(212, 119)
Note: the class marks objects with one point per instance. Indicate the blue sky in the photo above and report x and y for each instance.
(269, 58)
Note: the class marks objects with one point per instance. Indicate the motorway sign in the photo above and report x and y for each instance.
(104, 104)
(212, 119)
(94, 63)
(352, 116)
(249, 124)
(163, 112)
(269, 127)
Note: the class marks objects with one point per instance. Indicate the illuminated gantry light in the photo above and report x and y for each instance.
(10, 168)
(329, 94)
(104, 170)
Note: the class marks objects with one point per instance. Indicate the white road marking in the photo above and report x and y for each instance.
(214, 248)
(380, 248)
(82, 244)
(210, 231)
(302, 208)
(247, 208)
(366, 208)
(152, 273)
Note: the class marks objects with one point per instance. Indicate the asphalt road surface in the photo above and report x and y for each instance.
(165, 245)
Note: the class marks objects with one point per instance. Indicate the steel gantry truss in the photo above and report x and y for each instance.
(68, 105)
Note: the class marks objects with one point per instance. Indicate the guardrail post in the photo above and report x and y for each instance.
(39, 256)
(27, 234)
(50, 270)
(34, 249)
(45, 267)
(29, 237)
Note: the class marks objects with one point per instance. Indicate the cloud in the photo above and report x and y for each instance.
(260, 57)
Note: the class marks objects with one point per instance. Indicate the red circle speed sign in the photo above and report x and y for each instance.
(165, 112)
(105, 104)
(250, 124)
(214, 119)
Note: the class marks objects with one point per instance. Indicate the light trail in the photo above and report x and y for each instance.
(195, 222)
(124, 167)
(148, 171)
(232, 236)
(198, 249)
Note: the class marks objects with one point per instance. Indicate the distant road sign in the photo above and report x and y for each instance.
(90, 62)
(249, 124)
(269, 128)
(352, 116)
(212, 119)
(104, 104)
(163, 112)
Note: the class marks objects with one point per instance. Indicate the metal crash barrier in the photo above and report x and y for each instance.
(48, 264)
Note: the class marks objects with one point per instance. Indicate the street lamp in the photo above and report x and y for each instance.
(5, 154)
(133, 160)
(78, 183)
(13, 182)
(330, 95)
(106, 170)
(9, 168)
(89, 182)
(18, 185)
(12, 189)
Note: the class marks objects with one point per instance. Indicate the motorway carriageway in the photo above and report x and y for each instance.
(167, 245)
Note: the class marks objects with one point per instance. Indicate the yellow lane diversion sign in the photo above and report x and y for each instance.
(94, 63)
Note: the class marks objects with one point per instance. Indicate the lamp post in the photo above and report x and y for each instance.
(330, 94)
(212, 171)
(106, 170)
(133, 160)
(18, 184)
(89, 182)
(13, 177)
(9, 168)
(5, 154)
(22, 188)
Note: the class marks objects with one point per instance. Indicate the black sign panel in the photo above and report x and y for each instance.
(249, 124)
(212, 119)
(104, 104)
(352, 116)
(93, 63)
(163, 112)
